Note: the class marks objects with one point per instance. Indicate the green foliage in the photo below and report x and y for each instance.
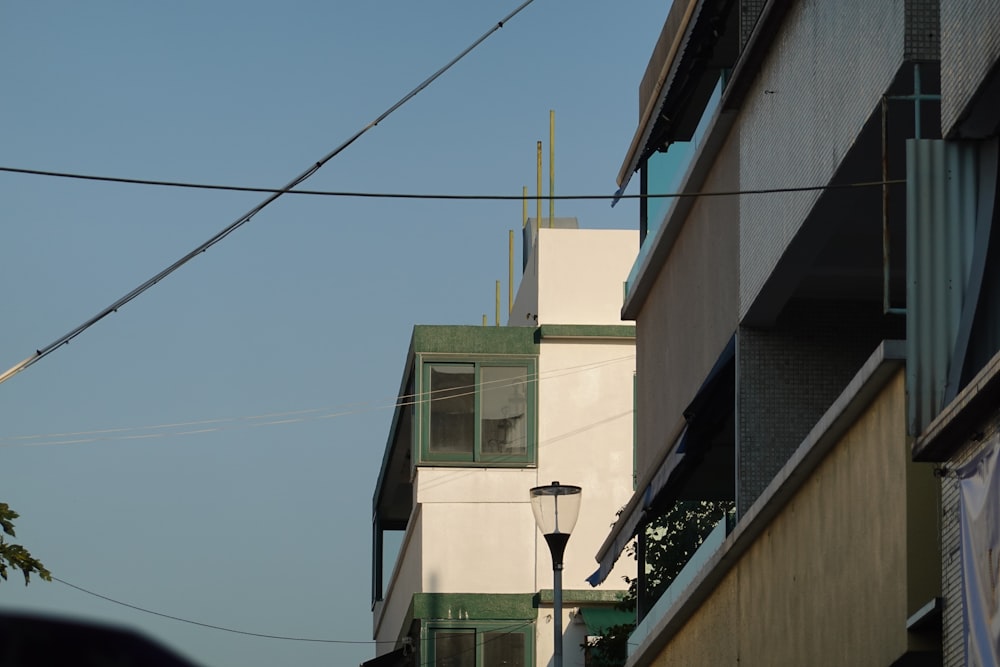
(671, 540)
(14, 555)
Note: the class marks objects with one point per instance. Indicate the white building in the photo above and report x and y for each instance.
(485, 414)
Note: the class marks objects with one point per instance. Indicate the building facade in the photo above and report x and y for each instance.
(790, 325)
(484, 415)
(954, 360)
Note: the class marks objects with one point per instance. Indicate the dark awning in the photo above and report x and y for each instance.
(703, 413)
(699, 40)
(631, 517)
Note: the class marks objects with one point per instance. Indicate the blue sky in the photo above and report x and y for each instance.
(225, 429)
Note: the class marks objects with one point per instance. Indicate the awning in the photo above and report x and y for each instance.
(671, 47)
(633, 514)
(703, 409)
(599, 619)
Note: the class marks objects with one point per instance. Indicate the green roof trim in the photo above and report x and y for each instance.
(581, 596)
(474, 340)
(472, 606)
(586, 331)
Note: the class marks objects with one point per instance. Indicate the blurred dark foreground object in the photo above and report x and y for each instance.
(28, 640)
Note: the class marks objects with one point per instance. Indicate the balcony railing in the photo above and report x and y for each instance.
(684, 578)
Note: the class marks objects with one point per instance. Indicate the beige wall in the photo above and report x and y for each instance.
(405, 581)
(690, 312)
(479, 547)
(575, 276)
(826, 582)
(585, 438)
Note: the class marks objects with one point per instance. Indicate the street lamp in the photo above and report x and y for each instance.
(556, 507)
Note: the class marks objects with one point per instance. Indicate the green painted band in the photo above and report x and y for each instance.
(474, 606)
(474, 340)
(581, 596)
(586, 331)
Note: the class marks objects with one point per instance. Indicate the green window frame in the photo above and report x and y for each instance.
(493, 644)
(479, 411)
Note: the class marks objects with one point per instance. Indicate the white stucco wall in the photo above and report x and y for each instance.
(574, 634)
(585, 438)
(478, 530)
(575, 276)
(404, 581)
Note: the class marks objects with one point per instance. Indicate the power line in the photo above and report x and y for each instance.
(43, 352)
(451, 197)
(200, 426)
(211, 626)
(505, 630)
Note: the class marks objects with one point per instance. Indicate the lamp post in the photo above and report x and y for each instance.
(556, 508)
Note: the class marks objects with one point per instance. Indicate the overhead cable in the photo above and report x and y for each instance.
(211, 626)
(452, 197)
(508, 629)
(201, 426)
(246, 217)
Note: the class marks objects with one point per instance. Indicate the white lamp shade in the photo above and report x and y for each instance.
(556, 507)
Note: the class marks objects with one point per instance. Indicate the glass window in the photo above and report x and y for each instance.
(503, 649)
(478, 412)
(452, 408)
(504, 410)
(487, 644)
(455, 648)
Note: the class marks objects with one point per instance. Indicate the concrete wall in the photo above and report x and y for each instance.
(478, 530)
(574, 635)
(405, 581)
(690, 312)
(575, 276)
(826, 583)
(525, 308)
(823, 77)
(585, 438)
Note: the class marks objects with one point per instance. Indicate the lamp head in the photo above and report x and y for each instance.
(556, 507)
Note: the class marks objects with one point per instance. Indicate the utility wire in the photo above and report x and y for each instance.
(246, 217)
(452, 197)
(505, 630)
(287, 417)
(211, 626)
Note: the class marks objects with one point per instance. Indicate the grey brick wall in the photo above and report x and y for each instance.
(823, 78)
(970, 46)
(923, 30)
(789, 376)
(951, 558)
(749, 13)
